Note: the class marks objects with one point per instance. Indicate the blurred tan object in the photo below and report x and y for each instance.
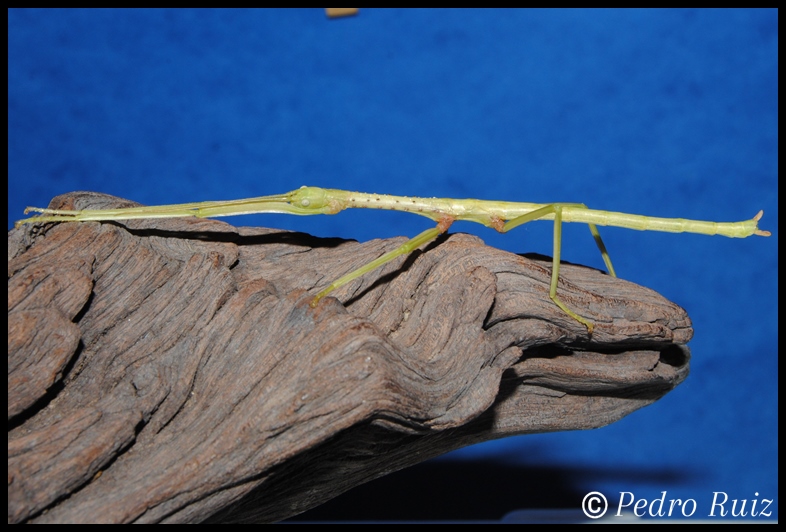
(336, 12)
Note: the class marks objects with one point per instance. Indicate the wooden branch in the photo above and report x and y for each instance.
(172, 370)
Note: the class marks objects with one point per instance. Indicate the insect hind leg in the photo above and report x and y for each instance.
(556, 210)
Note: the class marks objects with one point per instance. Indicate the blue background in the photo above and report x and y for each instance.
(666, 113)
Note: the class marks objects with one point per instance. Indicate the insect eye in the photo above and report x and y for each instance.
(305, 202)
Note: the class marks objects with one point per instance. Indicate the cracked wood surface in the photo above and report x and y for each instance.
(173, 371)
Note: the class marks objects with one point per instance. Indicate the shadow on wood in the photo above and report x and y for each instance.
(172, 370)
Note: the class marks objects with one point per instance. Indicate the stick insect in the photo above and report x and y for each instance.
(500, 215)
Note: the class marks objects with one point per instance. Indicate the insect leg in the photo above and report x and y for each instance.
(556, 209)
(405, 248)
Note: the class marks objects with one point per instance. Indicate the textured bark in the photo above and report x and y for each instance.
(172, 370)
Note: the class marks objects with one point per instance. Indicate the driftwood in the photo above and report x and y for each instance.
(172, 370)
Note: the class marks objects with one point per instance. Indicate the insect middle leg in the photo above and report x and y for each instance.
(404, 249)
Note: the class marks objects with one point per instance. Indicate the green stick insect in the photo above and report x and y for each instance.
(500, 215)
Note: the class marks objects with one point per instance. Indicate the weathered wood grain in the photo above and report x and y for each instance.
(172, 370)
